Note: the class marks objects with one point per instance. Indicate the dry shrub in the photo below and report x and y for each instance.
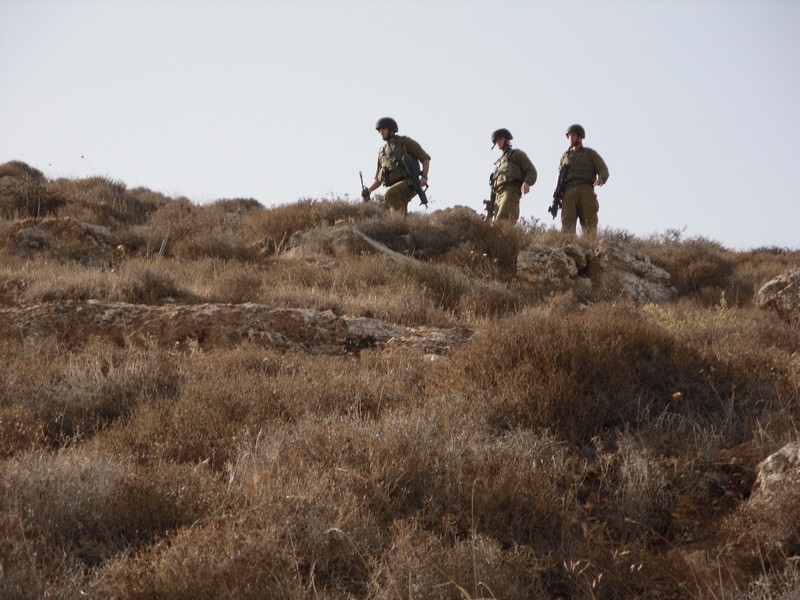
(425, 565)
(67, 282)
(633, 490)
(744, 363)
(407, 293)
(29, 198)
(75, 395)
(227, 396)
(757, 267)
(492, 301)
(698, 267)
(217, 559)
(778, 584)
(228, 281)
(272, 228)
(187, 231)
(20, 429)
(401, 466)
(443, 285)
(104, 201)
(86, 508)
(147, 282)
(339, 486)
(602, 368)
(24, 192)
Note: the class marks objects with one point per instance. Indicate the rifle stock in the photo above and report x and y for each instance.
(412, 170)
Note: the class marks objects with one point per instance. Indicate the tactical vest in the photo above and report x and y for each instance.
(582, 169)
(390, 159)
(506, 171)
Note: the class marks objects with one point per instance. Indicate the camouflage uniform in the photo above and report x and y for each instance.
(580, 201)
(511, 170)
(392, 173)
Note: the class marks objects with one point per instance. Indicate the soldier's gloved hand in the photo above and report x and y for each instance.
(365, 194)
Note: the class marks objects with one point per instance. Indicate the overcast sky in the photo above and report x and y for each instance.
(693, 104)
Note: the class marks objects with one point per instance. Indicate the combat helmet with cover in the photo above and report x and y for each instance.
(501, 133)
(577, 129)
(387, 122)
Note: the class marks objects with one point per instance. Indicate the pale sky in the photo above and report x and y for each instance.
(693, 104)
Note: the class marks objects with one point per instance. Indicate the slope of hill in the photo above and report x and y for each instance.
(326, 400)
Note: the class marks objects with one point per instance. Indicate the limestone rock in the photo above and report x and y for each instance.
(782, 294)
(218, 325)
(773, 508)
(546, 267)
(65, 237)
(612, 270)
(619, 271)
(778, 475)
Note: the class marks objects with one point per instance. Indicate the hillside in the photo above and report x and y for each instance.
(324, 400)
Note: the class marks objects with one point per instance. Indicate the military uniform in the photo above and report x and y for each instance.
(511, 170)
(584, 166)
(392, 173)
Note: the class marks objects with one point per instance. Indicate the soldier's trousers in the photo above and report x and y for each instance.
(506, 202)
(399, 195)
(580, 204)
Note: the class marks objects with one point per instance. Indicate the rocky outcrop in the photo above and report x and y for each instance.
(340, 241)
(612, 270)
(619, 271)
(782, 294)
(218, 325)
(65, 237)
(777, 476)
(773, 507)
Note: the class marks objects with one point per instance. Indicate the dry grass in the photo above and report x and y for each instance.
(566, 450)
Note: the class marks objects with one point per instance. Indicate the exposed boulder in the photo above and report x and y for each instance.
(619, 271)
(774, 504)
(65, 237)
(218, 325)
(778, 475)
(610, 271)
(339, 241)
(782, 294)
(548, 268)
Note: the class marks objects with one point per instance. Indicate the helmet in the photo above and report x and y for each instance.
(387, 122)
(577, 129)
(498, 133)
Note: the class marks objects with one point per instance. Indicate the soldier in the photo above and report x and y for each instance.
(391, 172)
(513, 176)
(583, 169)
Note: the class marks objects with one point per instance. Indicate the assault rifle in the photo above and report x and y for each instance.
(561, 186)
(488, 205)
(412, 170)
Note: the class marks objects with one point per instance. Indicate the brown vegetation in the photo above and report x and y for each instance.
(566, 450)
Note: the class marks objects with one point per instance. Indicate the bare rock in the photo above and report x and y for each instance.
(778, 475)
(219, 325)
(782, 294)
(773, 509)
(65, 237)
(619, 271)
(339, 241)
(545, 267)
(612, 270)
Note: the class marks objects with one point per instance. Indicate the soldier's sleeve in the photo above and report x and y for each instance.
(600, 166)
(529, 174)
(416, 150)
